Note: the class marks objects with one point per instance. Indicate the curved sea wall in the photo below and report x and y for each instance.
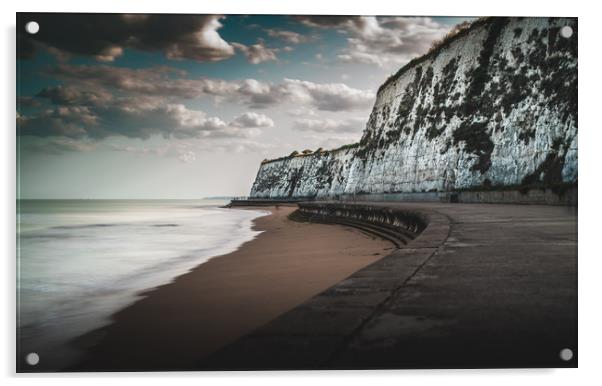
(400, 226)
(494, 107)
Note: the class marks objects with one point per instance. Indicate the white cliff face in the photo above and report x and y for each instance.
(322, 174)
(495, 106)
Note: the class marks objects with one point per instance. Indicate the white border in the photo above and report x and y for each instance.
(590, 268)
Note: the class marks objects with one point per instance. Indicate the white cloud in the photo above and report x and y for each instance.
(382, 41)
(288, 36)
(328, 96)
(322, 96)
(257, 53)
(252, 119)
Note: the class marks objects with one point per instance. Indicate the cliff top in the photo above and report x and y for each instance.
(306, 153)
(457, 32)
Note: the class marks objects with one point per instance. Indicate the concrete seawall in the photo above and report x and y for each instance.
(540, 196)
(394, 224)
(477, 286)
(565, 196)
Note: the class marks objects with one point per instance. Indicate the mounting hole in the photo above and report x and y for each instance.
(566, 32)
(32, 359)
(566, 354)
(32, 27)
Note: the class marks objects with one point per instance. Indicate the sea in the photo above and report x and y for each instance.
(80, 261)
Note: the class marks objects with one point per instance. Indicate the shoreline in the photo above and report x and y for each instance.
(176, 325)
(186, 234)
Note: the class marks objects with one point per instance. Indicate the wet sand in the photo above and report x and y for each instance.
(175, 326)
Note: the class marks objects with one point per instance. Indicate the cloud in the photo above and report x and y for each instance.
(167, 82)
(382, 41)
(349, 125)
(257, 53)
(328, 96)
(27, 101)
(322, 96)
(61, 95)
(61, 121)
(288, 36)
(252, 120)
(106, 36)
(160, 81)
(138, 117)
(55, 146)
(326, 21)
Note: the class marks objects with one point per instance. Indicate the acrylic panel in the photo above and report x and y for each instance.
(270, 192)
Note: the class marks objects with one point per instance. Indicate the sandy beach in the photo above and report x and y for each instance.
(176, 325)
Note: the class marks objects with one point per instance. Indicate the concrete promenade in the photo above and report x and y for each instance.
(484, 285)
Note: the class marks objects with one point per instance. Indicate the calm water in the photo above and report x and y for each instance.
(82, 260)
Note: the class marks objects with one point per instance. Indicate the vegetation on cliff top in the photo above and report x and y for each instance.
(308, 152)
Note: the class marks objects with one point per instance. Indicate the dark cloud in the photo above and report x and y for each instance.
(61, 95)
(105, 36)
(62, 121)
(27, 101)
(326, 21)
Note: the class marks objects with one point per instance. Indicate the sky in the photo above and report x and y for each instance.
(116, 106)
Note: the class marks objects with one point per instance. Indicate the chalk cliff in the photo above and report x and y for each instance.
(493, 106)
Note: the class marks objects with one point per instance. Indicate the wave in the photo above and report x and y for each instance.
(74, 276)
(86, 226)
